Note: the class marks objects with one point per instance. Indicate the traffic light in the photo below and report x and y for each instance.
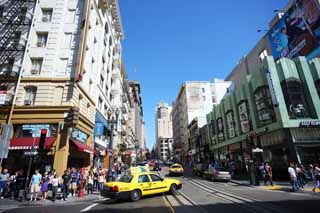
(42, 139)
(73, 115)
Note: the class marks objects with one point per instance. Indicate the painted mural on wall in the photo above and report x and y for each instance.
(298, 31)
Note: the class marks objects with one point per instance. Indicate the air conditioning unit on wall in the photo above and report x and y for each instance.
(27, 102)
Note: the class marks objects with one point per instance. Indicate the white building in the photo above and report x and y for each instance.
(72, 59)
(163, 125)
(195, 100)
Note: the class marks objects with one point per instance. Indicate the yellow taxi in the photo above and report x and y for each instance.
(138, 183)
(176, 169)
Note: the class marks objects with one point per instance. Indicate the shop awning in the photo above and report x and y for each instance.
(82, 147)
(26, 143)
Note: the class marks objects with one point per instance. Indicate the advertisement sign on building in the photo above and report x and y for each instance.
(271, 87)
(297, 33)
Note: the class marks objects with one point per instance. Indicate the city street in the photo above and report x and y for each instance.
(197, 195)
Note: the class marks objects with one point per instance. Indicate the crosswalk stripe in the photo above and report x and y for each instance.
(184, 201)
(172, 200)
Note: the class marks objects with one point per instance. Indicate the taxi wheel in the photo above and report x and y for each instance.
(135, 195)
(173, 189)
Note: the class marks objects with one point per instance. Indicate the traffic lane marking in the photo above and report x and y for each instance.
(89, 207)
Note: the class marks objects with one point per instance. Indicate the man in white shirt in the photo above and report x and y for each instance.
(293, 177)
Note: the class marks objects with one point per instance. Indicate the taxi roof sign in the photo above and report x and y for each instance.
(139, 169)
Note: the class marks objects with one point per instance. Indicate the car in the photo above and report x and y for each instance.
(157, 167)
(134, 186)
(176, 169)
(217, 173)
(169, 163)
(199, 169)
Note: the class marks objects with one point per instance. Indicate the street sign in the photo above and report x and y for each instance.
(5, 140)
(257, 150)
(30, 153)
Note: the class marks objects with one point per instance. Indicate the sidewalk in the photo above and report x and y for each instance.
(8, 203)
(278, 185)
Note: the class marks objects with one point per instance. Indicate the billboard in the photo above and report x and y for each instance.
(297, 33)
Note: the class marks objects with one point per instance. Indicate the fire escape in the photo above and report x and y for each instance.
(15, 22)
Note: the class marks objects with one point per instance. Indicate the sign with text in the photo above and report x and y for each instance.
(310, 123)
(5, 140)
(297, 32)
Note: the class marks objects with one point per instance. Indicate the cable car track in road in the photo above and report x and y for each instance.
(248, 204)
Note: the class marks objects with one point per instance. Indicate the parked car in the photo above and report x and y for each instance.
(217, 173)
(199, 169)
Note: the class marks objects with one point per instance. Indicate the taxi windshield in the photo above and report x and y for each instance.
(176, 167)
(125, 178)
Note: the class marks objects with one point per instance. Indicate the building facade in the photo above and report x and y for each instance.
(70, 77)
(195, 99)
(163, 125)
(274, 110)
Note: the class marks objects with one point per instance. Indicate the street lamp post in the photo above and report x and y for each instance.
(113, 121)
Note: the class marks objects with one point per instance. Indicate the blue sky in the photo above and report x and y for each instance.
(168, 42)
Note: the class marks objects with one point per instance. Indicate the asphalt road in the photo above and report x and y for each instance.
(198, 195)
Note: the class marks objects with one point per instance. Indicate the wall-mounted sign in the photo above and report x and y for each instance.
(271, 87)
(310, 123)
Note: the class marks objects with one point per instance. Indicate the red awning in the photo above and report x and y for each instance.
(26, 143)
(83, 147)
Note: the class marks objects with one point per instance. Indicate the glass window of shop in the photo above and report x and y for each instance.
(34, 130)
(264, 106)
(317, 83)
(295, 99)
(231, 124)
(245, 122)
(220, 129)
(78, 135)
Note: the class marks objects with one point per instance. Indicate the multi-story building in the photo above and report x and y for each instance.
(164, 134)
(71, 69)
(274, 110)
(137, 117)
(273, 104)
(195, 99)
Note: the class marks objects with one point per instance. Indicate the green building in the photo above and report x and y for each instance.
(275, 109)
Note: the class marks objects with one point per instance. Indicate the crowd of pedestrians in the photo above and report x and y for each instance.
(50, 185)
(298, 176)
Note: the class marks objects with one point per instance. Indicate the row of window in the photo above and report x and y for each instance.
(295, 100)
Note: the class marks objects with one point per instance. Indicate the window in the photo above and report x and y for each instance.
(231, 124)
(1, 10)
(203, 90)
(22, 15)
(262, 55)
(204, 98)
(90, 86)
(264, 105)
(100, 104)
(71, 14)
(101, 81)
(245, 122)
(46, 15)
(295, 98)
(318, 86)
(36, 64)
(143, 179)
(64, 64)
(107, 88)
(67, 40)
(155, 178)
(42, 39)
(106, 28)
(58, 96)
(30, 95)
(110, 41)
(220, 129)
(16, 40)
